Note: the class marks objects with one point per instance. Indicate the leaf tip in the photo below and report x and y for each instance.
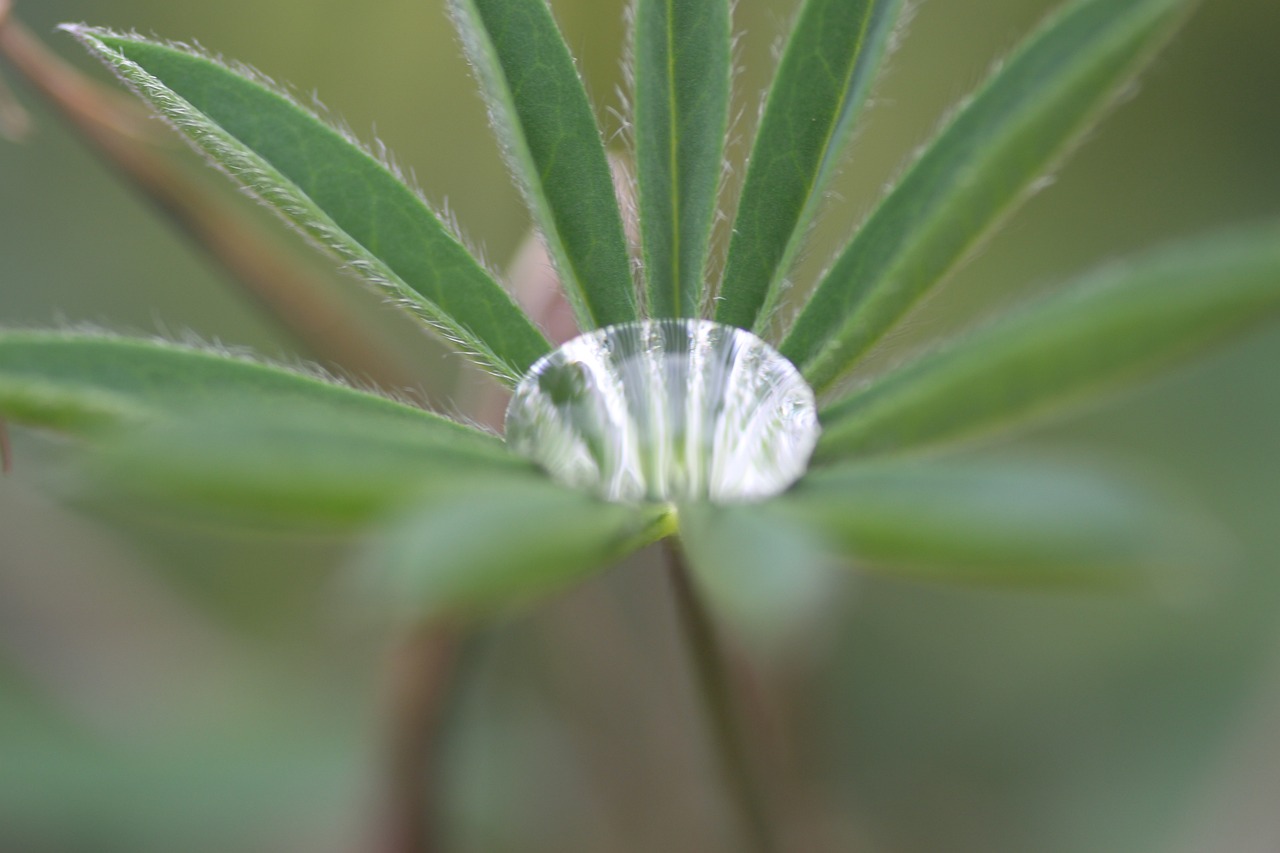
(102, 42)
(84, 32)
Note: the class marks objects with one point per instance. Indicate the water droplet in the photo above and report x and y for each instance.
(666, 410)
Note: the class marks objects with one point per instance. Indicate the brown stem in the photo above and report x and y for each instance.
(119, 133)
(715, 683)
(418, 677)
(6, 450)
(15, 122)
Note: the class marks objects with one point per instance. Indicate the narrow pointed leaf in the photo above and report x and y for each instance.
(550, 137)
(987, 159)
(81, 383)
(823, 81)
(766, 576)
(331, 189)
(1004, 523)
(119, 130)
(1116, 325)
(480, 549)
(286, 469)
(681, 101)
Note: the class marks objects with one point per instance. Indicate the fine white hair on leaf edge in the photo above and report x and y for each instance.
(262, 182)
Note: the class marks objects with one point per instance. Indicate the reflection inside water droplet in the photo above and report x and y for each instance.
(666, 410)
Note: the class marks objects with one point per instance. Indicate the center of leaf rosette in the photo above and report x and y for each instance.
(666, 410)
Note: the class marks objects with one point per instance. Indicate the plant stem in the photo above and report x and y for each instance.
(715, 685)
(15, 123)
(6, 450)
(418, 678)
(123, 137)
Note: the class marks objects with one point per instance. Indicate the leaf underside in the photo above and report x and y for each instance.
(182, 431)
(481, 548)
(681, 71)
(1006, 522)
(75, 382)
(1116, 324)
(989, 156)
(540, 110)
(765, 575)
(331, 189)
(823, 81)
(283, 470)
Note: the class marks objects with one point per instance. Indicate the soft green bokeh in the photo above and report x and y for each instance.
(945, 719)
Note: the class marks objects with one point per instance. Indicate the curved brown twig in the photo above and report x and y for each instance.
(123, 135)
(6, 450)
(15, 123)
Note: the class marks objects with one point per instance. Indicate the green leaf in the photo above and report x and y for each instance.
(330, 188)
(272, 769)
(1115, 325)
(285, 469)
(987, 159)
(824, 79)
(1002, 522)
(540, 110)
(767, 577)
(83, 382)
(484, 548)
(681, 114)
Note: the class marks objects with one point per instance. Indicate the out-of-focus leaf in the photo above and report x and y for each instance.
(681, 70)
(236, 780)
(1012, 523)
(281, 469)
(766, 576)
(986, 159)
(823, 80)
(1115, 325)
(485, 547)
(541, 111)
(77, 382)
(331, 189)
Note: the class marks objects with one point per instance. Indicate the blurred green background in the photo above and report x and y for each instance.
(168, 689)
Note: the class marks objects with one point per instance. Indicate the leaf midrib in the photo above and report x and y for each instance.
(773, 292)
(832, 346)
(677, 281)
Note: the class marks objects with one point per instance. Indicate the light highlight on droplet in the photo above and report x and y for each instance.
(666, 410)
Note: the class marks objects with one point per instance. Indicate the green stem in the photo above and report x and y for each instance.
(715, 684)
